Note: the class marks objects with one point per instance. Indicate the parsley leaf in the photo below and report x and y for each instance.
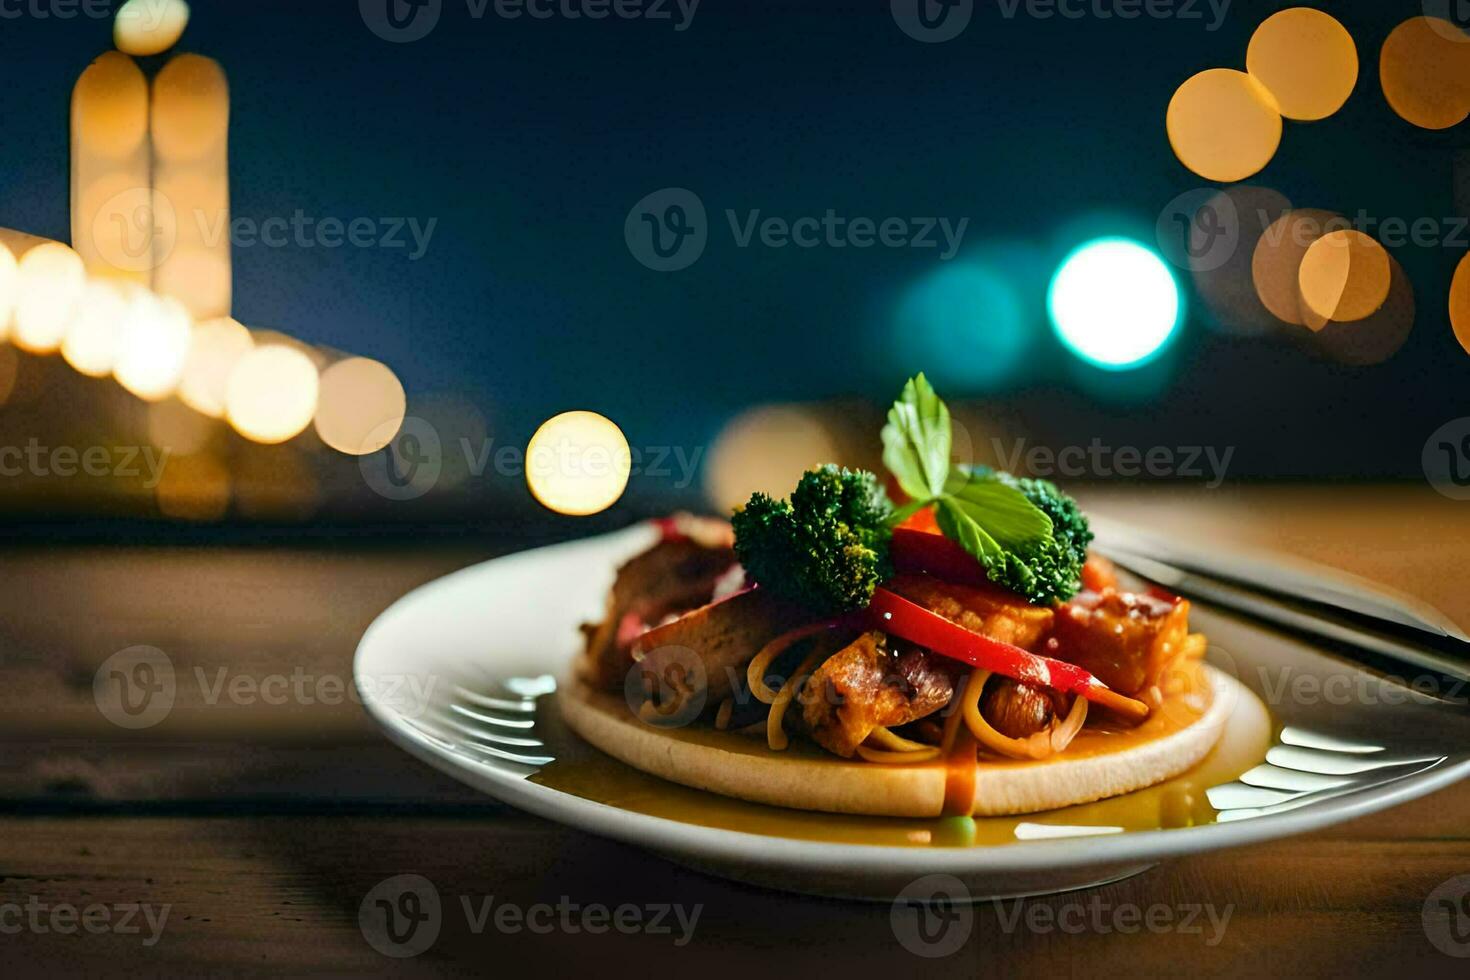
(917, 440)
(987, 517)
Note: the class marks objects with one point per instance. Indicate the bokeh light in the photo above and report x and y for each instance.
(1425, 74)
(1306, 59)
(149, 27)
(50, 280)
(109, 107)
(153, 346)
(1344, 276)
(272, 394)
(95, 332)
(1277, 260)
(964, 325)
(9, 286)
(766, 449)
(176, 427)
(1223, 125)
(578, 463)
(1460, 302)
(9, 371)
(1114, 303)
(1375, 338)
(361, 406)
(191, 107)
(215, 347)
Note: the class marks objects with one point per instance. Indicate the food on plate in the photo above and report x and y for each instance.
(937, 643)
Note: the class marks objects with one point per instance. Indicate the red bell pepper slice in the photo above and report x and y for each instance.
(892, 613)
(926, 553)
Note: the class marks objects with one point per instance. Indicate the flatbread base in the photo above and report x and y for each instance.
(806, 778)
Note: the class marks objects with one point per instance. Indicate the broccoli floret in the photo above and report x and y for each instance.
(827, 548)
(1052, 572)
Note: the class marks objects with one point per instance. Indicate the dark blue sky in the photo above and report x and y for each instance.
(529, 141)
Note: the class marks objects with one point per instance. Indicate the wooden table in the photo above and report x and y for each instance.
(262, 826)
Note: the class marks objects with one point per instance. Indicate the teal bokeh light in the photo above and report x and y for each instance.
(1114, 303)
(965, 326)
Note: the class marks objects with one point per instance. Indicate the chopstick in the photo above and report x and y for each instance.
(1425, 646)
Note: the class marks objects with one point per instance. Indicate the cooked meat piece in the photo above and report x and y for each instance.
(1125, 639)
(675, 575)
(867, 685)
(990, 611)
(1015, 709)
(725, 636)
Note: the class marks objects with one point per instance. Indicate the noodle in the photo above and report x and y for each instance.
(956, 715)
(776, 736)
(897, 758)
(722, 717)
(1062, 735)
(1037, 746)
(882, 738)
(755, 672)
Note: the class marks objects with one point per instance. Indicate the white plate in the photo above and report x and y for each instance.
(460, 673)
